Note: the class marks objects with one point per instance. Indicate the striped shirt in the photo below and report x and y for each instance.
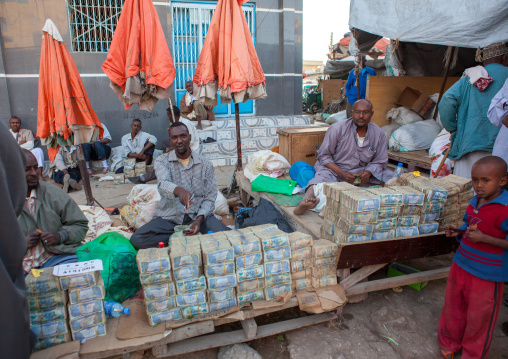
(198, 177)
(35, 256)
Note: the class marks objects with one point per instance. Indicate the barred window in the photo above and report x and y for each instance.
(92, 23)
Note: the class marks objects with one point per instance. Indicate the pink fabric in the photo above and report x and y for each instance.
(483, 83)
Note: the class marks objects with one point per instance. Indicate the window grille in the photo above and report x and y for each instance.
(92, 23)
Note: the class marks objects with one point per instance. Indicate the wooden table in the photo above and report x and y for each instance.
(367, 257)
(415, 160)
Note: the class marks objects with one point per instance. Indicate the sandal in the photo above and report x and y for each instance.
(504, 327)
(446, 354)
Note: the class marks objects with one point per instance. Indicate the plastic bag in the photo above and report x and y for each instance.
(120, 272)
(402, 116)
(388, 130)
(273, 185)
(143, 201)
(302, 173)
(265, 162)
(337, 117)
(415, 136)
(436, 152)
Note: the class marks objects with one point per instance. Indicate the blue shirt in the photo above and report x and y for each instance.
(351, 91)
(463, 109)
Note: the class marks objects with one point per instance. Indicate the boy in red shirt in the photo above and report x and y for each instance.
(480, 266)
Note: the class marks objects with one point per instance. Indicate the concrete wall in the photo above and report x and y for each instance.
(278, 43)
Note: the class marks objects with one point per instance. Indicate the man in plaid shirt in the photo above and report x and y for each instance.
(188, 189)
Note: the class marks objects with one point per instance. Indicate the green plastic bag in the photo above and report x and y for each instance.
(120, 271)
(273, 185)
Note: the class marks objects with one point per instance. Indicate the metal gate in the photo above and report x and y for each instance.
(189, 25)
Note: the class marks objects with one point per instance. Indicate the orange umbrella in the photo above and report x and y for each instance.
(229, 63)
(139, 64)
(64, 114)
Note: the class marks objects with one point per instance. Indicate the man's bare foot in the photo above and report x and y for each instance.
(306, 204)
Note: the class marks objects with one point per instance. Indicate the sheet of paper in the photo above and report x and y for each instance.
(77, 268)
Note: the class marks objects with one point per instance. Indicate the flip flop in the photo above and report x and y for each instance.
(446, 354)
(504, 327)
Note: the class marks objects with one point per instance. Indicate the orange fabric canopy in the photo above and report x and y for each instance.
(228, 61)
(64, 114)
(139, 63)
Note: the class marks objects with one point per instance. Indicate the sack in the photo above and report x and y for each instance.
(402, 116)
(415, 136)
(221, 205)
(143, 201)
(265, 162)
(388, 130)
(436, 153)
(337, 117)
(120, 272)
(302, 173)
(273, 185)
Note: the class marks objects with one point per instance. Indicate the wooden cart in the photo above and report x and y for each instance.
(366, 257)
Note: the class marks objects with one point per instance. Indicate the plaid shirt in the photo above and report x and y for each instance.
(198, 177)
(35, 256)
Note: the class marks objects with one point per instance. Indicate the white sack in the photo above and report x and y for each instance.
(402, 116)
(388, 130)
(337, 117)
(267, 163)
(221, 205)
(415, 136)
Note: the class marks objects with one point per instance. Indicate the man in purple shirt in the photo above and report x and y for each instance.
(354, 151)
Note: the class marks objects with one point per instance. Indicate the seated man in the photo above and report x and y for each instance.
(354, 150)
(67, 171)
(187, 186)
(26, 140)
(166, 144)
(192, 109)
(52, 222)
(99, 151)
(138, 144)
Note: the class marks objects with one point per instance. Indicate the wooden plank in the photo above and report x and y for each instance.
(360, 254)
(238, 336)
(331, 91)
(302, 130)
(309, 222)
(384, 91)
(360, 274)
(249, 327)
(387, 283)
(108, 345)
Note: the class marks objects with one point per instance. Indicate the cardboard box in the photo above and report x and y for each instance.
(228, 220)
(398, 269)
(416, 101)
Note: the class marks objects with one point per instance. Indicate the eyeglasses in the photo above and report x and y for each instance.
(360, 112)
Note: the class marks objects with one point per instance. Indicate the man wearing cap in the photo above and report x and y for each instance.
(463, 109)
(194, 110)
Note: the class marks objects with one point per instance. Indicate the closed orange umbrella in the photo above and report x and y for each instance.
(228, 63)
(64, 114)
(139, 64)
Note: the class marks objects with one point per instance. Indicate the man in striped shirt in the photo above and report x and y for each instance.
(188, 189)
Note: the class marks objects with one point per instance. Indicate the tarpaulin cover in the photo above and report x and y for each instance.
(228, 61)
(139, 63)
(64, 113)
(265, 212)
(470, 23)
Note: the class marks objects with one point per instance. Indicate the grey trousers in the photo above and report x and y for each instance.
(159, 230)
(349, 109)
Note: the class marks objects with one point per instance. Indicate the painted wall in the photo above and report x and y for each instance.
(278, 43)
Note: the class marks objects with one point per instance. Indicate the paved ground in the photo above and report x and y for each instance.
(410, 317)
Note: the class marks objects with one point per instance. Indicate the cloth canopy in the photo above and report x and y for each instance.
(139, 63)
(228, 61)
(472, 23)
(64, 114)
(343, 67)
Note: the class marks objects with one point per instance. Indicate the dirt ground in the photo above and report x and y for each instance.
(385, 326)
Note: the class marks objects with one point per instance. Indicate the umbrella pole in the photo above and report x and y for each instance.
(171, 107)
(86, 179)
(238, 139)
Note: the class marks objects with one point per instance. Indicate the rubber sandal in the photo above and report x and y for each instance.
(504, 327)
(446, 354)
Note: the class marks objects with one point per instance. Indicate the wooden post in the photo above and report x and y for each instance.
(358, 68)
(443, 160)
(171, 107)
(447, 66)
(238, 138)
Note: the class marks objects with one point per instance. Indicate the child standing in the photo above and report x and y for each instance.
(480, 266)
